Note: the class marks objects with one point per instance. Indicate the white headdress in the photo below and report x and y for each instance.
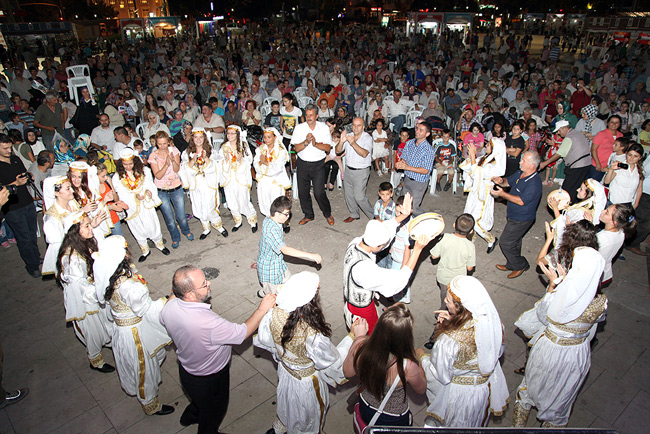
(377, 234)
(600, 198)
(488, 333)
(243, 134)
(72, 218)
(111, 252)
(579, 286)
(127, 154)
(297, 291)
(498, 155)
(276, 133)
(48, 189)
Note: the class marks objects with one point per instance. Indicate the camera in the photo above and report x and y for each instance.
(11, 188)
(623, 166)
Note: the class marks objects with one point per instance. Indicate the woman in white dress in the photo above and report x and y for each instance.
(85, 185)
(139, 339)
(82, 308)
(134, 186)
(58, 198)
(269, 163)
(477, 175)
(236, 178)
(560, 328)
(298, 336)
(200, 175)
(465, 382)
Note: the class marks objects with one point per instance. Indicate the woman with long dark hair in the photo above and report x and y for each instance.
(298, 336)
(134, 185)
(139, 339)
(82, 308)
(465, 380)
(381, 358)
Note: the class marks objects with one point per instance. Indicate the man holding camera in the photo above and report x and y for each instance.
(19, 211)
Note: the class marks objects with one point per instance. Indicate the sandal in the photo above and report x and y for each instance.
(520, 371)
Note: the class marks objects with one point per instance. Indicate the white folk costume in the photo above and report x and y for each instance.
(141, 215)
(104, 228)
(82, 308)
(477, 182)
(236, 180)
(465, 382)
(53, 222)
(560, 328)
(272, 178)
(594, 205)
(309, 363)
(139, 339)
(202, 181)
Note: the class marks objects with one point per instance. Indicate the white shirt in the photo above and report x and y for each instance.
(119, 147)
(609, 243)
(646, 180)
(103, 137)
(322, 135)
(397, 108)
(623, 187)
(354, 160)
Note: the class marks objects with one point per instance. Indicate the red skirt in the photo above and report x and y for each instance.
(368, 313)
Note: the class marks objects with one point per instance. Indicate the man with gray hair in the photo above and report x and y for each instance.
(358, 153)
(523, 199)
(203, 345)
(312, 141)
(49, 118)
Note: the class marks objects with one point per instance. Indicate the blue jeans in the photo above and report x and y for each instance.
(117, 229)
(398, 123)
(5, 232)
(23, 222)
(177, 199)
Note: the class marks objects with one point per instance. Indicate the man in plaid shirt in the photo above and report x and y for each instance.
(417, 162)
(271, 268)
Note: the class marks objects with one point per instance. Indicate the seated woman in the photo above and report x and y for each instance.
(385, 362)
(465, 382)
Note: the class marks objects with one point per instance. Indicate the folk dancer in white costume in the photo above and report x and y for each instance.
(477, 175)
(200, 175)
(134, 186)
(269, 163)
(139, 339)
(58, 198)
(465, 382)
(560, 328)
(85, 185)
(82, 308)
(236, 178)
(298, 336)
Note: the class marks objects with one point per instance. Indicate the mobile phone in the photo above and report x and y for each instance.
(623, 165)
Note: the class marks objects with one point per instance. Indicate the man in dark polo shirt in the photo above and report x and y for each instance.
(19, 211)
(523, 199)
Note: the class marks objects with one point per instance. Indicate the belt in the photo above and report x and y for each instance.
(357, 168)
(171, 189)
(469, 381)
(565, 342)
(127, 322)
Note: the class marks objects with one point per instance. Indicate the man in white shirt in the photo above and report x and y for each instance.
(511, 91)
(123, 141)
(211, 122)
(519, 102)
(312, 141)
(337, 78)
(102, 135)
(358, 158)
(180, 88)
(397, 109)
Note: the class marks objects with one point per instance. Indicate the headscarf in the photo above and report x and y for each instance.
(566, 106)
(572, 297)
(111, 253)
(488, 331)
(498, 155)
(157, 123)
(591, 111)
(48, 189)
(600, 198)
(82, 143)
(297, 291)
(60, 157)
(35, 135)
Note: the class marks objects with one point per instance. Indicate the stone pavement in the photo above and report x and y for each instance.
(67, 397)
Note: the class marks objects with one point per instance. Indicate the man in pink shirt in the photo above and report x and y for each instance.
(203, 345)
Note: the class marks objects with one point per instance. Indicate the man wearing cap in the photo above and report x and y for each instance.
(362, 277)
(576, 151)
(203, 345)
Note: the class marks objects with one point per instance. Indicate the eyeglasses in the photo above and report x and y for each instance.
(286, 213)
(205, 285)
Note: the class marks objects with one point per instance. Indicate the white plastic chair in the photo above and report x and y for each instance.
(269, 100)
(76, 83)
(299, 92)
(303, 101)
(264, 111)
(410, 118)
(78, 71)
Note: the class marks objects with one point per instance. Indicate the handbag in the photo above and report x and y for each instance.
(359, 424)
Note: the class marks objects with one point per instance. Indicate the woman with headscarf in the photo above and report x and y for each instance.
(236, 178)
(477, 175)
(269, 163)
(176, 122)
(590, 125)
(151, 128)
(200, 175)
(298, 336)
(465, 382)
(139, 339)
(63, 156)
(560, 328)
(183, 138)
(112, 109)
(87, 114)
(564, 114)
(82, 308)
(193, 108)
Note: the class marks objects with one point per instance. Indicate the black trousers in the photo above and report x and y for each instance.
(333, 169)
(572, 180)
(510, 243)
(312, 174)
(208, 399)
(22, 222)
(643, 221)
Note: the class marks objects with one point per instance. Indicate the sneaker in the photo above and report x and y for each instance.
(14, 397)
(386, 171)
(438, 188)
(12, 240)
(5, 245)
(379, 173)
(447, 186)
(261, 293)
